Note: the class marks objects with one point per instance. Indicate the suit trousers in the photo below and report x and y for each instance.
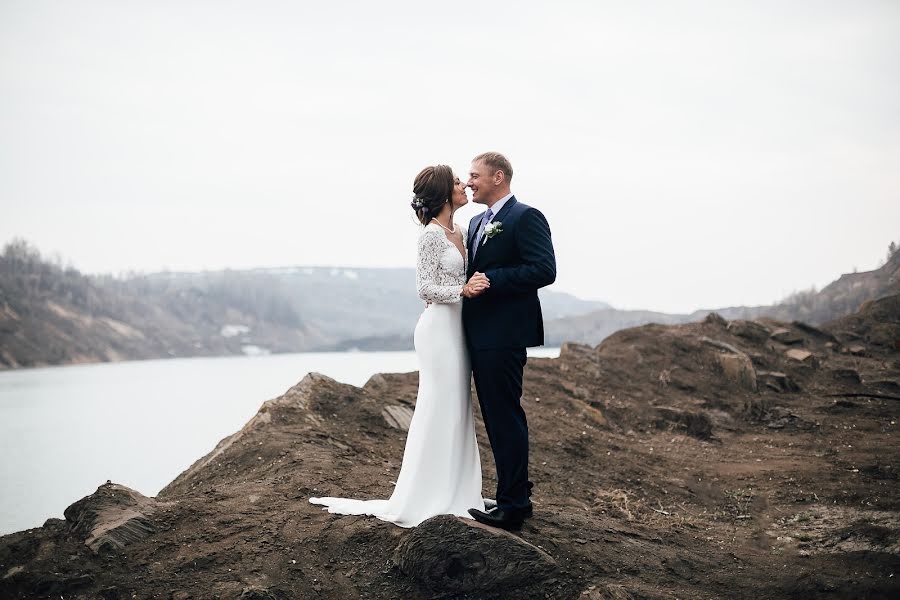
(498, 382)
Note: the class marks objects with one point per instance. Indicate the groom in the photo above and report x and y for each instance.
(510, 243)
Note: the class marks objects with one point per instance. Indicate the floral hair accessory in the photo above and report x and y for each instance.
(416, 203)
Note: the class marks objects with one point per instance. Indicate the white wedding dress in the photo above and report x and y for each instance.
(441, 470)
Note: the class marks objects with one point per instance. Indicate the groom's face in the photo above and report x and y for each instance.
(481, 183)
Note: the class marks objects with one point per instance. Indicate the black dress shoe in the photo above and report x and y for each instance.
(510, 519)
(491, 505)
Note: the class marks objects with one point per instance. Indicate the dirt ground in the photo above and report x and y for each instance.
(710, 460)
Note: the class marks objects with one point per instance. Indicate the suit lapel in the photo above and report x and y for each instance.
(502, 214)
(473, 231)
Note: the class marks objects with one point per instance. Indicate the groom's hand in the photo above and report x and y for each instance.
(476, 285)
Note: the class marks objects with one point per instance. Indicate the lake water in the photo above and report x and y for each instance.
(66, 430)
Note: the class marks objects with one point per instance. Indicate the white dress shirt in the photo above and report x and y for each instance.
(498, 205)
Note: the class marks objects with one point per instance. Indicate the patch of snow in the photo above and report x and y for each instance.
(229, 331)
(351, 274)
(251, 350)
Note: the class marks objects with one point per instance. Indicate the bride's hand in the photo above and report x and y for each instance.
(469, 292)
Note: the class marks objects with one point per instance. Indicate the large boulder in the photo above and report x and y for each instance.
(802, 356)
(779, 382)
(786, 336)
(113, 517)
(397, 416)
(750, 330)
(876, 323)
(735, 364)
(447, 554)
(739, 369)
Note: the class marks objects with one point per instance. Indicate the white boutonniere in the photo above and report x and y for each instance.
(491, 229)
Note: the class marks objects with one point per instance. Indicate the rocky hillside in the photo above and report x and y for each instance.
(55, 315)
(843, 296)
(718, 459)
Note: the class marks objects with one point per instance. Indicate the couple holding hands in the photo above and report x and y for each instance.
(480, 284)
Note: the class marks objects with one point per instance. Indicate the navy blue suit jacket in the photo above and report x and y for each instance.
(517, 262)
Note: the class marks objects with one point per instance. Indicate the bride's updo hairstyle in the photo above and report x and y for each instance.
(432, 189)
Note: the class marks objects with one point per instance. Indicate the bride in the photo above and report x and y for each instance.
(441, 471)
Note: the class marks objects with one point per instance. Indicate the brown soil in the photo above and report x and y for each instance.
(691, 461)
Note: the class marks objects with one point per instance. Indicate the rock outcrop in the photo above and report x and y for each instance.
(113, 517)
(690, 461)
(446, 554)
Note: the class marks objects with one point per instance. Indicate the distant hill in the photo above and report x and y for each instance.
(51, 315)
(842, 296)
(54, 315)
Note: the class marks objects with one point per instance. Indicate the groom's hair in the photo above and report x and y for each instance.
(496, 162)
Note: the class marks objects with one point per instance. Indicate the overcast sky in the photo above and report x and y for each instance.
(687, 154)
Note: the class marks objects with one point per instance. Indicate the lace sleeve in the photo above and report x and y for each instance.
(428, 276)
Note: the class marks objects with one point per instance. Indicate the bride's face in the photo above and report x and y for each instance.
(459, 197)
